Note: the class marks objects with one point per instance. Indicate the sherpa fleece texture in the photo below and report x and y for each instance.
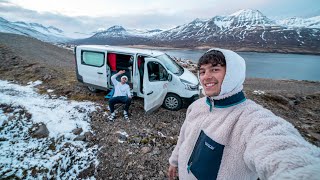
(257, 143)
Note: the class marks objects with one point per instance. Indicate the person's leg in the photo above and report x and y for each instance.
(127, 104)
(127, 101)
(113, 101)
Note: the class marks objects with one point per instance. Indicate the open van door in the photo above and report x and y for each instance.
(155, 84)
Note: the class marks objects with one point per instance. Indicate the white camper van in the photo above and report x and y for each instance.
(152, 75)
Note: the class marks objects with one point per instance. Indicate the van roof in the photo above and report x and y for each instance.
(149, 52)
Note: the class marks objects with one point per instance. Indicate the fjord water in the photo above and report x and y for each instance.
(268, 65)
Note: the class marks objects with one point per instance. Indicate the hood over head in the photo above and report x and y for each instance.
(235, 74)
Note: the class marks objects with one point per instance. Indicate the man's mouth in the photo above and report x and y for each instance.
(210, 84)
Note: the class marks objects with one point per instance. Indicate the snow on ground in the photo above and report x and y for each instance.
(57, 156)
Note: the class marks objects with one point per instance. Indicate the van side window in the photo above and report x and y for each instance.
(92, 58)
(156, 72)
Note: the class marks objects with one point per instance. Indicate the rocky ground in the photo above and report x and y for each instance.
(140, 149)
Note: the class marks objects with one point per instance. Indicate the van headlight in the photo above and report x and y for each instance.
(189, 86)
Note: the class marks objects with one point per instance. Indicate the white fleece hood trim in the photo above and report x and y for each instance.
(235, 74)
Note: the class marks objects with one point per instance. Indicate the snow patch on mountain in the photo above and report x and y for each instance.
(38, 31)
(119, 31)
(296, 22)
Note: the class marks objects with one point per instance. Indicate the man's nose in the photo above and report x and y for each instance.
(207, 75)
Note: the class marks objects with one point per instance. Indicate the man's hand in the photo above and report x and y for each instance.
(121, 72)
(172, 172)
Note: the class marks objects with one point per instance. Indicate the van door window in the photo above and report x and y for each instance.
(156, 72)
(92, 58)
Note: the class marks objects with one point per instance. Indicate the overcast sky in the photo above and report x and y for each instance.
(88, 16)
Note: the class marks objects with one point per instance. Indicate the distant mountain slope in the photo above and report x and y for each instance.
(295, 22)
(117, 35)
(245, 30)
(37, 51)
(35, 30)
(245, 27)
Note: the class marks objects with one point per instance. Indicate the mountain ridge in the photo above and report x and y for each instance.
(247, 29)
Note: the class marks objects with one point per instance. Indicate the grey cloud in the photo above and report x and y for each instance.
(156, 19)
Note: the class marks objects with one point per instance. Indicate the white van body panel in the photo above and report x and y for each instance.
(188, 76)
(179, 88)
(100, 76)
(94, 75)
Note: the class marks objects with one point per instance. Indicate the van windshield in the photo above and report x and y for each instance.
(170, 64)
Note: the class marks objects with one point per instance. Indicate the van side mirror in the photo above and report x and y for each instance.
(169, 77)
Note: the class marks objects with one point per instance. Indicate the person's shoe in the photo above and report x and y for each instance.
(125, 115)
(111, 117)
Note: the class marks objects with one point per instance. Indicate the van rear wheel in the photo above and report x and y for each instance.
(92, 89)
(172, 102)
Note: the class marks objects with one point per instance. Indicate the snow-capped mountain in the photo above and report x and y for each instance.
(38, 31)
(296, 22)
(117, 35)
(114, 31)
(218, 25)
(119, 31)
(243, 29)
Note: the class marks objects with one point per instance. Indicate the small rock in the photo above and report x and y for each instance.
(28, 115)
(136, 139)
(77, 131)
(140, 176)
(156, 151)
(89, 136)
(118, 164)
(66, 145)
(80, 138)
(129, 176)
(41, 132)
(122, 137)
(145, 150)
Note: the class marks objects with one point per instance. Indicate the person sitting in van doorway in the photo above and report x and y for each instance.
(121, 95)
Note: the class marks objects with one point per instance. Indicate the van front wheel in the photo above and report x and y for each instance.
(172, 102)
(92, 89)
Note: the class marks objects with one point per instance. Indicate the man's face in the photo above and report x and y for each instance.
(211, 78)
(123, 80)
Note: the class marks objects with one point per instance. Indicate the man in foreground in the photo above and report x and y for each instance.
(226, 136)
(121, 95)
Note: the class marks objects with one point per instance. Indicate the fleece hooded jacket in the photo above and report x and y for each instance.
(230, 137)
